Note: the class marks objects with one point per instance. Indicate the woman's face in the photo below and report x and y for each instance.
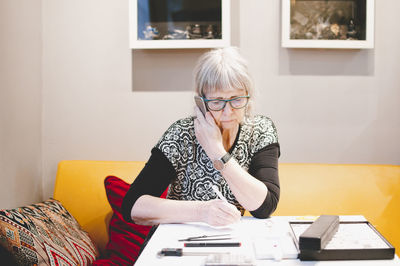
(227, 118)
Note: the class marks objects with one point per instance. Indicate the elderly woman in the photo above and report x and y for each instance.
(228, 148)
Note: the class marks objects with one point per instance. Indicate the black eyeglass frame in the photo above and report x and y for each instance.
(225, 101)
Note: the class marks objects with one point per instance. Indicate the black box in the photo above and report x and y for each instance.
(319, 233)
(358, 240)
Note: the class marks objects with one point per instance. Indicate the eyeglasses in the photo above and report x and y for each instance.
(219, 104)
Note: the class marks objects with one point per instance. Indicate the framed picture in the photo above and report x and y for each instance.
(328, 24)
(171, 24)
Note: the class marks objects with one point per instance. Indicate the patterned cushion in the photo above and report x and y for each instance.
(45, 234)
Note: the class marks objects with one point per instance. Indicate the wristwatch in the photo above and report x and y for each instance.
(219, 164)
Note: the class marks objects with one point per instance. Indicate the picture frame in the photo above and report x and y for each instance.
(332, 24)
(172, 27)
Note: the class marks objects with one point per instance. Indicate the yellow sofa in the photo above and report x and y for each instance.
(306, 189)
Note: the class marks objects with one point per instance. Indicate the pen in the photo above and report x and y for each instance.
(178, 252)
(207, 238)
(206, 244)
(219, 194)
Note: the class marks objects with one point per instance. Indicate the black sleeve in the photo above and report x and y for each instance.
(153, 180)
(264, 167)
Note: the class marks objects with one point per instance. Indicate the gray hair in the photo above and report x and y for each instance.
(223, 69)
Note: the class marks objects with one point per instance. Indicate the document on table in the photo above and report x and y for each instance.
(256, 236)
(271, 239)
(350, 236)
(276, 248)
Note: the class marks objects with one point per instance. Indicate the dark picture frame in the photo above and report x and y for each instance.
(328, 24)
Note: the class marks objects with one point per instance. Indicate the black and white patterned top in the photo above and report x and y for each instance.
(195, 173)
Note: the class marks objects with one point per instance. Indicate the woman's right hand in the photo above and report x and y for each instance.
(218, 213)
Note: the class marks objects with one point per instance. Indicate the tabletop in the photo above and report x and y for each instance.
(262, 242)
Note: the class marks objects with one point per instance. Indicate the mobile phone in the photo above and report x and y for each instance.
(200, 103)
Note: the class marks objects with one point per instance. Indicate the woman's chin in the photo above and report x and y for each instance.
(228, 124)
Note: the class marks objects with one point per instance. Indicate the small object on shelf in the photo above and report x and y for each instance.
(209, 32)
(176, 35)
(196, 29)
(351, 30)
(196, 32)
(187, 32)
(151, 33)
(343, 32)
(335, 28)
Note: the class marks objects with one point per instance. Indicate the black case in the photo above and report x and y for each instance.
(346, 253)
(319, 233)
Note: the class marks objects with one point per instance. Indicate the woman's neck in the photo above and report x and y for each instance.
(229, 136)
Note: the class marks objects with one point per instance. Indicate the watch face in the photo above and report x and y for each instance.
(219, 165)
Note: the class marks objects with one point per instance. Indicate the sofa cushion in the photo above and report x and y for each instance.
(45, 234)
(126, 238)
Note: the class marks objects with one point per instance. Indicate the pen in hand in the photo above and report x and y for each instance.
(219, 194)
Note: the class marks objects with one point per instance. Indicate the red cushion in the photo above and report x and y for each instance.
(125, 238)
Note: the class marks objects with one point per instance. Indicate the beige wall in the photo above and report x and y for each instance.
(20, 103)
(102, 101)
(330, 106)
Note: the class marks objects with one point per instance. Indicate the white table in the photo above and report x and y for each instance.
(247, 231)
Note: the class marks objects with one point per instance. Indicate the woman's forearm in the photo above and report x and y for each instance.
(249, 191)
(149, 210)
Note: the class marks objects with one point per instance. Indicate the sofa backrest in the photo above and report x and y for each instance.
(344, 189)
(306, 189)
(80, 188)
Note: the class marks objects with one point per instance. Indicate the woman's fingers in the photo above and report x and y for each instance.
(218, 212)
(206, 118)
(199, 114)
(230, 210)
(210, 119)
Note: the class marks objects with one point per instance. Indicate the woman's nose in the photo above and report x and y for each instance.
(227, 109)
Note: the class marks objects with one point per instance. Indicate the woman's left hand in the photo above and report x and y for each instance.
(208, 134)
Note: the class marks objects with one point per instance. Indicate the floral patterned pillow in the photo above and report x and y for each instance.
(45, 234)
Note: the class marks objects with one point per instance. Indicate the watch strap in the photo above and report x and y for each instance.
(226, 157)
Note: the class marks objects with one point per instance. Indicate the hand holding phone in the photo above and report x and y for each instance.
(200, 103)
